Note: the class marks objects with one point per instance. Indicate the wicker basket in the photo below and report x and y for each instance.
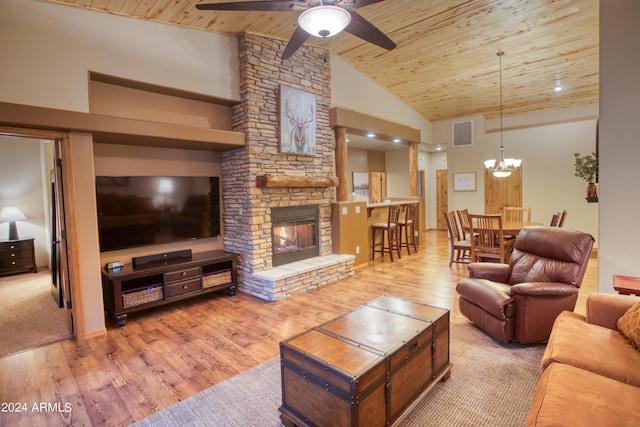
(144, 296)
(216, 279)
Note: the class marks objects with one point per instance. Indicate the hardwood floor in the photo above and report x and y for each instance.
(165, 355)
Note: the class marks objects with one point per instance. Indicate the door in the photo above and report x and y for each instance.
(442, 197)
(56, 288)
(60, 237)
(501, 192)
(377, 187)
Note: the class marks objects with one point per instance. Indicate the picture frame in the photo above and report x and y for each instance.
(465, 181)
(361, 185)
(297, 121)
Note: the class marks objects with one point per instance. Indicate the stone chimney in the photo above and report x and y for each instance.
(247, 207)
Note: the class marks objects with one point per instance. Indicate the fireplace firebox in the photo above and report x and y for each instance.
(294, 233)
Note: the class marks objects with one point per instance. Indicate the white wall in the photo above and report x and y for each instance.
(352, 90)
(619, 141)
(48, 49)
(397, 172)
(547, 151)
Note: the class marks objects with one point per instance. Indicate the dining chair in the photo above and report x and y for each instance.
(489, 241)
(460, 248)
(555, 219)
(407, 227)
(463, 217)
(512, 213)
(563, 216)
(388, 230)
(515, 214)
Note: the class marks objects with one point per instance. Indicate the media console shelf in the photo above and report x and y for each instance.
(128, 289)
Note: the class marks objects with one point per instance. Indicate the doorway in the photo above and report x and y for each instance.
(377, 187)
(32, 315)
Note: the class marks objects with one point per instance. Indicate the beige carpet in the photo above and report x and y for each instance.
(29, 316)
(490, 385)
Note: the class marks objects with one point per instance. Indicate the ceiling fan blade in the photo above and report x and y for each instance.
(255, 6)
(364, 29)
(297, 39)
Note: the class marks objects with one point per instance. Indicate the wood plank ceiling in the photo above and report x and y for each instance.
(445, 65)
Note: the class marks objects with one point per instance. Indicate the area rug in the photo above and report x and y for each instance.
(490, 385)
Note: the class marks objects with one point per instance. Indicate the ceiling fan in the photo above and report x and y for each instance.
(320, 18)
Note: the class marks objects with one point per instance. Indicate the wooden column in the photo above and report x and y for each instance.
(342, 191)
(413, 169)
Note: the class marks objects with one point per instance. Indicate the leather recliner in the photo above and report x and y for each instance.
(520, 301)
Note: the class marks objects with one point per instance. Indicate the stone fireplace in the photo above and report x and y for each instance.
(249, 208)
(294, 234)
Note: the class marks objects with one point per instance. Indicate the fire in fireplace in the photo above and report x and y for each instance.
(294, 233)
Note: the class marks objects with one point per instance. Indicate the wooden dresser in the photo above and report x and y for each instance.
(17, 256)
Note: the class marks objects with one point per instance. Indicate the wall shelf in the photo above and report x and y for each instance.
(294, 181)
(118, 130)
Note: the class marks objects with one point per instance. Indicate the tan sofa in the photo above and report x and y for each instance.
(590, 371)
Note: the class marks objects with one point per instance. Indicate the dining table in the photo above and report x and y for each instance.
(512, 228)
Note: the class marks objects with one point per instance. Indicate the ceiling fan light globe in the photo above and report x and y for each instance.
(324, 21)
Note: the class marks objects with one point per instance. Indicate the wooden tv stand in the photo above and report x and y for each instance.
(128, 289)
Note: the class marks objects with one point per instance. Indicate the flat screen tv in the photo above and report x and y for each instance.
(138, 211)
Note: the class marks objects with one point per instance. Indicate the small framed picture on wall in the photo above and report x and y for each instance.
(464, 181)
(361, 185)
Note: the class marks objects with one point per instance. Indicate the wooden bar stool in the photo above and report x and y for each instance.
(390, 229)
(407, 227)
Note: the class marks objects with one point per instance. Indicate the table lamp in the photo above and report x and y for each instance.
(12, 214)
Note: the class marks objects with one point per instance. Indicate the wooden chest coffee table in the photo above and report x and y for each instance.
(367, 367)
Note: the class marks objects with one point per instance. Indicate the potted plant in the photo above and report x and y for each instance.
(587, 169)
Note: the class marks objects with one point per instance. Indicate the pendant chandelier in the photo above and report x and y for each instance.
(502, 167)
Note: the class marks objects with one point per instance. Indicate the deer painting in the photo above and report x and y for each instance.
(297, 121)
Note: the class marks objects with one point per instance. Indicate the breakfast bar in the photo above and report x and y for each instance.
(351, 231)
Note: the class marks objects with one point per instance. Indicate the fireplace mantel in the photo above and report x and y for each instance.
(294, 181)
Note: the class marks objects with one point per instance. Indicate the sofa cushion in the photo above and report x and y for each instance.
(629, 325)
(604, 351)
(569, 396)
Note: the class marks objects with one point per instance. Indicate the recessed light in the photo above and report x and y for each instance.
(557, 88)
(371, 135)
(396, 140)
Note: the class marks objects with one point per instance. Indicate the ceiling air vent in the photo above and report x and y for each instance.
(462, 133)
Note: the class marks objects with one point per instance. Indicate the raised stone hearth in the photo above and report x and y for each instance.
(258, 177)
(300, 276)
